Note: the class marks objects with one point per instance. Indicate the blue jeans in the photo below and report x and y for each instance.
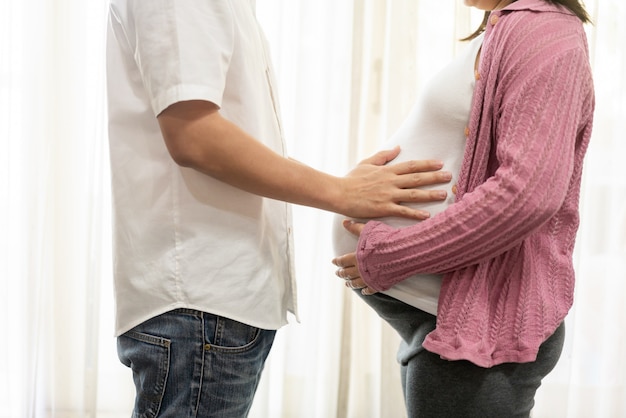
(188, 363)
(437, 388)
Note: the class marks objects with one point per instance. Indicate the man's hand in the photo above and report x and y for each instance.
(374, 189)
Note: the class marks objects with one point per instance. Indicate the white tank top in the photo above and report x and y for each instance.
(434, 129)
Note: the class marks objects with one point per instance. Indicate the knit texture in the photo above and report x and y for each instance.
(506, 244)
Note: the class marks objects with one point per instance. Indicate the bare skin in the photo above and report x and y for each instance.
(488, 5)
(348, 266)
(199, 137)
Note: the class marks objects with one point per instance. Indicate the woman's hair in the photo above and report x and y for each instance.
(574, 5)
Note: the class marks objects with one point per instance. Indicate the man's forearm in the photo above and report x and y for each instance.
(218, 148)
(198, 137)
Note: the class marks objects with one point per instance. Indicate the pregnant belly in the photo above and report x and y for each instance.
(420, 290)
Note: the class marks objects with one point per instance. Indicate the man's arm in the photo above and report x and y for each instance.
(197, 136)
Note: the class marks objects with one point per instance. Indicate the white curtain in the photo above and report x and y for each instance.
(348, 73)
(55, 249)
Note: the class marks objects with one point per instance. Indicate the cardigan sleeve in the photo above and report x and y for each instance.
(535, 125)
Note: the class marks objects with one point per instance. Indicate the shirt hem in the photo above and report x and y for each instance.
(271, 325)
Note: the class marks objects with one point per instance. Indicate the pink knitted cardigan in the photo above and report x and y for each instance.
(505, 247)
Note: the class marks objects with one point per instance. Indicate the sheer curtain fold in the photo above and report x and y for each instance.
(348, 73)
(590, 379)
(52, 204)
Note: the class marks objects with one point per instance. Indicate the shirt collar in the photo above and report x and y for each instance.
(537, 6)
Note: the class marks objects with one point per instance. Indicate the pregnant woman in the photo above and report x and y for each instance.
(479, 291)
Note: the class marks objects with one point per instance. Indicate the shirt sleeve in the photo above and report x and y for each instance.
(182, 49)
(537, 135)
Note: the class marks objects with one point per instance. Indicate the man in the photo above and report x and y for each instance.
(202, 230)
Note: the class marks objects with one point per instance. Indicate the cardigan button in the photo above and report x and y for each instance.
(455, 189)
(467, 131)
(476, 75)
(494, 19)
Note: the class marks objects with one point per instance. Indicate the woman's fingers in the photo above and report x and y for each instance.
(368, 291)
(353, 227)
(346, 260)
(349, 272)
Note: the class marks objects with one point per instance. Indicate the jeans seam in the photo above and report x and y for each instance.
(189, 311)
(235, 350)
(164, 369)
(202, 364)
(163, 384)
(147, 338)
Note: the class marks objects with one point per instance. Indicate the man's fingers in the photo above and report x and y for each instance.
(406, 212)
(407, 181)
(382, 157)
(420, 196)
(371, 191)
(416, 166)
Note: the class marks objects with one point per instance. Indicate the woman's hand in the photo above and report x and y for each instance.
(348, 266)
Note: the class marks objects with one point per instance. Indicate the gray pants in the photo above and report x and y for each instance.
(444, 389)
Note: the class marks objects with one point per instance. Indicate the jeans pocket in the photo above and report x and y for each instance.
(148, 356)
(232, 336)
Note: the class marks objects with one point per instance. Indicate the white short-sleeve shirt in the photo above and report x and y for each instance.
(181, 238)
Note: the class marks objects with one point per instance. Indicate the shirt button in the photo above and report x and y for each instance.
(494, 19)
